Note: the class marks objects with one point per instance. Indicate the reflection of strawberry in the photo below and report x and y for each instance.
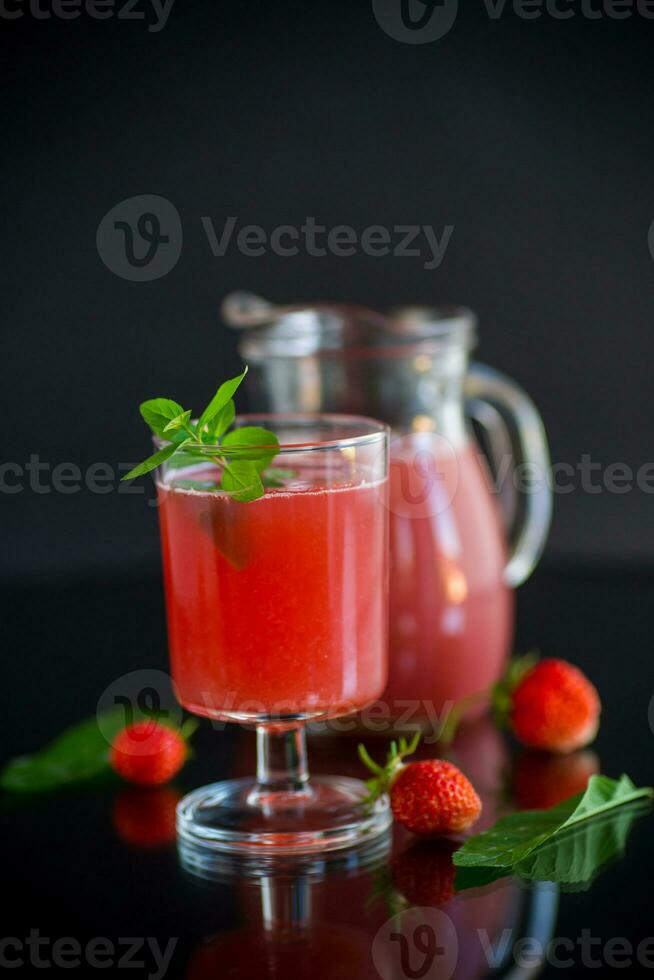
(540, 780)
(554, 706)
(146, 817)
(148, 753)
(430, 797)
(424, 873)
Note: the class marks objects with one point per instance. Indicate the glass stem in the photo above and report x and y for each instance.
(281, 759)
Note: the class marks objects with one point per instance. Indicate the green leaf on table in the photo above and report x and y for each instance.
(572, 858)
(158, 412)
(151, 462)
(570, 838)
(577, 855)
(79, 753)
(226, 391)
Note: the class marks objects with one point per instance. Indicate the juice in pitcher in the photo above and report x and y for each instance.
(451, 612)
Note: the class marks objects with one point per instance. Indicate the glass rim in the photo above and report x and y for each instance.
(377, 431)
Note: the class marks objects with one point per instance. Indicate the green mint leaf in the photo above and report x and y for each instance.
(221, 422)
(274, 477)
(207, 486)
(158, 412)
(242, 481)
(188, 458)
(251, 442)
(179, 422)
(220, 399)
(512, 839)
(572, 858)
(576, 856)
(151, 462)
(79, 753)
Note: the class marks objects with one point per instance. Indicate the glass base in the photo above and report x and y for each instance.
(240, 816)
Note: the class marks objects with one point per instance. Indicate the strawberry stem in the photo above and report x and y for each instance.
(368, 762)
(385, 774)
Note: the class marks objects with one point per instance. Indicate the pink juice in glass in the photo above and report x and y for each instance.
(451, 613)
(275, 606)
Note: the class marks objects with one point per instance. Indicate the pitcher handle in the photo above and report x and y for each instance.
(514, 428)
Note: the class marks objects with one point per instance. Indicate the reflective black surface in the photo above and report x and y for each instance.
(98, 863)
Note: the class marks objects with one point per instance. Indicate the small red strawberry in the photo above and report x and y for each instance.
(148, 753)
(429, 798)
(549, 705)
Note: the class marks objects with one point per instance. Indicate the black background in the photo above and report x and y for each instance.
(533, 138)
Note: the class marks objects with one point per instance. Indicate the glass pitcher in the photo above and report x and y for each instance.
(466, 525)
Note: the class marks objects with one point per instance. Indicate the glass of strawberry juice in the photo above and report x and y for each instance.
(277, 615)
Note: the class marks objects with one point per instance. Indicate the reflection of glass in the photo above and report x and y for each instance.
(277, 613)
(364, 914)
(452, 567)
(288, 932)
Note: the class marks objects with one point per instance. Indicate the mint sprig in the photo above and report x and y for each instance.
(243, 453)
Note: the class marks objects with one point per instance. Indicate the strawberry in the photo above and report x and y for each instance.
(430, 798)
(549, 705)
(148, 753)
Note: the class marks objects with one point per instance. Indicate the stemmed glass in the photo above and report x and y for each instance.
(277, 615)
